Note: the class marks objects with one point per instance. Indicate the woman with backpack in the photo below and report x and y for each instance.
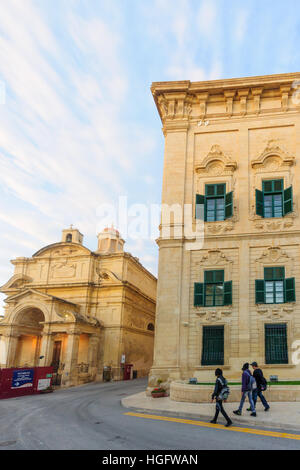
(248, 385)
(221, 393)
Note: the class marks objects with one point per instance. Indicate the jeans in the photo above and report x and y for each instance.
(249, 393)
(219, 407)
(257, 393)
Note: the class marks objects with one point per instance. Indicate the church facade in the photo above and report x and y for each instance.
(80, 311)
(232, 154)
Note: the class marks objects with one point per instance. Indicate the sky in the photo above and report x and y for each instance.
(78, 124)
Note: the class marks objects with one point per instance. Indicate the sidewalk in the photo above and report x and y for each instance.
(282, 415)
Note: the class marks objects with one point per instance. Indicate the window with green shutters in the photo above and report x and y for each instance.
(216, 203)
(213, 346)
(274, 200)
(276, 349)
(213, 291)
(274, 288)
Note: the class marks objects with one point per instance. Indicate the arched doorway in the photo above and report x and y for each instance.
(29, 327)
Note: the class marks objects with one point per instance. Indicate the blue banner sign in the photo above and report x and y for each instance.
(22, 378)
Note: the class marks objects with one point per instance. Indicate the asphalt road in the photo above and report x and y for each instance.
(92, 417)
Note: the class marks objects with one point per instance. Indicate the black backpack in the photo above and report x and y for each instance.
(263, 384)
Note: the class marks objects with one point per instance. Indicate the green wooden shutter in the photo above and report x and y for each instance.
(228, 205)
(213, 345)
(259, 291)
(228, 293)
(198, 294)
(289, 284)
(200, 207)
(288, 200)
(259, 202)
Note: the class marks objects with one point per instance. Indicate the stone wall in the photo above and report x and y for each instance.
(180, 391)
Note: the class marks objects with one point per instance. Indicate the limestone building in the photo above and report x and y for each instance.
(79, 310)
(232, 149)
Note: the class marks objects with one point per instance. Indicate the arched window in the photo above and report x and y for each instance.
(150, 327)
(69, 238)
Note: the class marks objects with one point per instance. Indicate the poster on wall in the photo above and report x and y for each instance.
(22, 378)
(43, 384)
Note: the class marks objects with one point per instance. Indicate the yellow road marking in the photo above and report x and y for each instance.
(259, 432)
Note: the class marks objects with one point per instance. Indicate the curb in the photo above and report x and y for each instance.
(241, 420)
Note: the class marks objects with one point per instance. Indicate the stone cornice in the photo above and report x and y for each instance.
(174, 100)
(267, 81)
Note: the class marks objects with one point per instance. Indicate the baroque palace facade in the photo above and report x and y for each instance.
(232, 149)
(80, 311)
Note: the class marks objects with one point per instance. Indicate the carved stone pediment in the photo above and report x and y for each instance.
(28, 293)
(273, 157)
(62, 249)
(18, 281)
(216, 163)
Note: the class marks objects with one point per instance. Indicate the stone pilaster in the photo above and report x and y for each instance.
(71, 359)
(46, 349)
(93, 351)
(11, 341)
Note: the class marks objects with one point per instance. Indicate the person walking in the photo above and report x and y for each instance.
(220, 393)
(261, 386)
(246, 390)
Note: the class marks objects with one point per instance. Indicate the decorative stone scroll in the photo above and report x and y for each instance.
(275, 312)
(202, 97)
(105, 275)
(214, 257)
(285, 89)
(229, 95)
(256, 93)
(175, 105)
(215, 315)
(243, 95)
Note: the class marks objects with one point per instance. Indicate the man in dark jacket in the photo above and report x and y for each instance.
(220, 383)
(246, 390)
(261, 384)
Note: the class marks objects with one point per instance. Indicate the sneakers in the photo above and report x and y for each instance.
(228, 424)
(253, 414)
(249, 409)
(237, 412)
(267, 409)
(213, 421)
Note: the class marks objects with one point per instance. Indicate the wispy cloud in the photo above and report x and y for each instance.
(79, 126)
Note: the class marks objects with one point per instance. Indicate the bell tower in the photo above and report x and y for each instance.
(72, 235)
